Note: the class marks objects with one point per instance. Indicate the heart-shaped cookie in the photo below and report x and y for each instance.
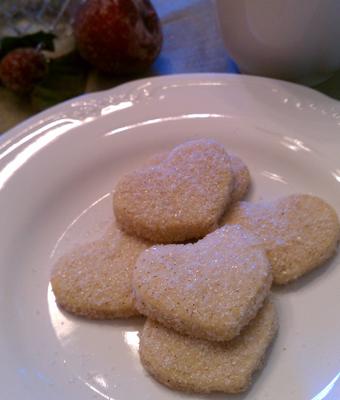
(196, 365)
(181, 198)
(94, 279)
(300, 232)
(210, 289)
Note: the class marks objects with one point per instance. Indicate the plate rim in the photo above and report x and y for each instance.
(23, 126)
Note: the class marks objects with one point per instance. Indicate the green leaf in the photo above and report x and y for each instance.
(66, 78)
(44, 39)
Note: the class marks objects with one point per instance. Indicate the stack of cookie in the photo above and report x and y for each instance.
(199, 263)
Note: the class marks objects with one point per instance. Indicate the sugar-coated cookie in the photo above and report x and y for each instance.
(181, 198)
(196, 365)
(241, 178)
(94, 280)
(300, 232)
(210, 289)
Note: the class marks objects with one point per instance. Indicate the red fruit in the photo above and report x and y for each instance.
(118, 36)
(21, 69)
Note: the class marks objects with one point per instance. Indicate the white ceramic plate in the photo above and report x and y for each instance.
(56, 173)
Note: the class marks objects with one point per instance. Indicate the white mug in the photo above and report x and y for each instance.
(288, 39)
